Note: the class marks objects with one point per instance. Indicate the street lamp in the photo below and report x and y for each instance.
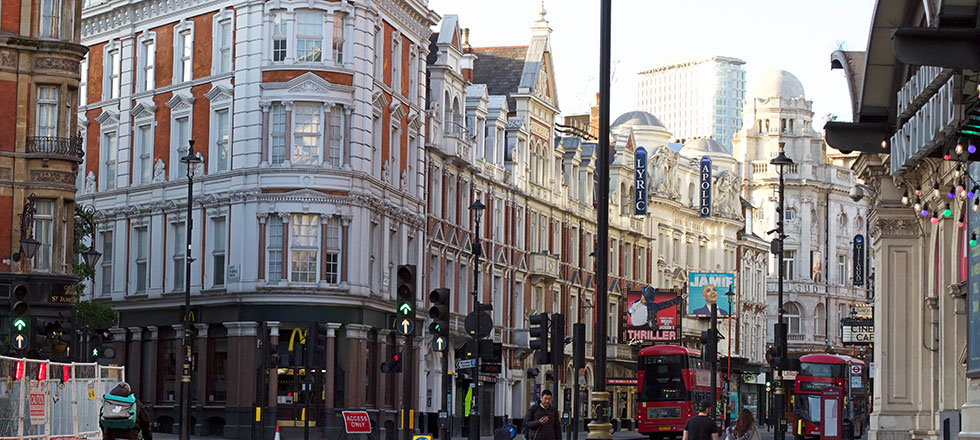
(191, 160)
(90, 255)
(477, 209)
(779, 340)
(28, 245)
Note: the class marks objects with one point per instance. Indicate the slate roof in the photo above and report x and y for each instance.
(500, 68)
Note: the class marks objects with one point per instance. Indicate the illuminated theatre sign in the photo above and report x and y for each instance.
(928, 105)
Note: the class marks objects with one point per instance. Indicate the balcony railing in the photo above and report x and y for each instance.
(57, 146)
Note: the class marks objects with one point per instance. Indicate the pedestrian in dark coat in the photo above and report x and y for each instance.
(541, 421)
(142, 419)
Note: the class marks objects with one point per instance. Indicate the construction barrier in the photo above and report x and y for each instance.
(51, 400)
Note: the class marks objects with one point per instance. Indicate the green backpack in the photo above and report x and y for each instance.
(118, 412)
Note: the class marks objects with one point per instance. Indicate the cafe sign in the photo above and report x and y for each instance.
(857, 331)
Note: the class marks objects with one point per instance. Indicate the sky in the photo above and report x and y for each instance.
(793, 35)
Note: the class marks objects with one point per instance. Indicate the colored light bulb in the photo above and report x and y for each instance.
(918, 189)
(935, 189)
(976, 204)
(971, 148)
(947, 212)
(905, 198)
(972, 193)
(947, 156)
(959, 148)
(934, 219)
(973, 239)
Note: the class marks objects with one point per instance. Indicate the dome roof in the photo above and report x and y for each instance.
(637, 117)
(778, 83)
(705, 145)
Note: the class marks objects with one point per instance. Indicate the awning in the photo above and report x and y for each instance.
(956, 48)
(865, 137)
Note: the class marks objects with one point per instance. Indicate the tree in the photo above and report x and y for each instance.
(92, 316)
(82, 229)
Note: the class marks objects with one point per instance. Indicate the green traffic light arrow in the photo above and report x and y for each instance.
(19, 324)
(405, 308)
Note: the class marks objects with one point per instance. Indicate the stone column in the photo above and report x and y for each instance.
(202, 365)
(134, 358)
(154, 362)
(357, 344)
(242, 362)
(331, 362)
(119, 344)
(384, 380)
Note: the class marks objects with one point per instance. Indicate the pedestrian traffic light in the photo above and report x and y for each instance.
(394, 365)
(439, 312)
(406, 291)
(558, 340)
(20, 319)
(539, 335)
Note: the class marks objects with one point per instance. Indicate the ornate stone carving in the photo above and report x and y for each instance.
(159, 171)
(896, 227)
(403, 184)
(90, 183)
(50, 176)
(8, 59)
(385, 172)
(5, 173)
(47, 63)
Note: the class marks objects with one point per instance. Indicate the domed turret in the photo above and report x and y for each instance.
(699, 147)
(778, 83)
(637, 118)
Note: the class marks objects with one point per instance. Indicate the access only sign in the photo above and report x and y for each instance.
(357, 422)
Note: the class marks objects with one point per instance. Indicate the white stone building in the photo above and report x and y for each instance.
(696, 97)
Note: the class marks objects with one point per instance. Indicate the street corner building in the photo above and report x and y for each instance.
(40, 159)
(914, 101)
(310, 119)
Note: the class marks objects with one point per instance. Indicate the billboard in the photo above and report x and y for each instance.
(640, 173)
(653, 315)
(704, 288)
(705, 187)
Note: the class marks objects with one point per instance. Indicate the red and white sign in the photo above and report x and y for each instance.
(631, 382)
(357, 422)
(855, 369)
(37, 401)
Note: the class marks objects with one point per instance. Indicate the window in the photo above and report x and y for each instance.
(183, 54)
(336, 135)
(106, 287)
(309, 36)
(790, 215)
(179, 246)
(146, 61)
(279, 44)
(413, 73)
(275, 249)
(50, 11)
(223, 41)
(306, 134)
(110, 146)
(144, 143)
(379, 48)
(222, 159)
(218, 251)
(141, 243)
(789, 260)
(792, 313)
(332, 253)
(83, 82)
(396, 63)
(111, 72)
(277, 141)
(47, 111)
(43, 232)
(303, 248)
(842, 269)
(181, 136)
(820, 320)
(338, 36)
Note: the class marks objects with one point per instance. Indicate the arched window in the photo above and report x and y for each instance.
(820, 320)
(446, 115)
(457, 119)
(792, 312)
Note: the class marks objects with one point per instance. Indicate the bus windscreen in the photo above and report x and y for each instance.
(821, 370)
(663, 379)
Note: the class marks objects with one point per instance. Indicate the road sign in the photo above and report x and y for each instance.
(405, 326)
(421, 437)
(465, 363)
(37, 402)
(357, 422)
(439, 343)
(478, 322)
(20, 342)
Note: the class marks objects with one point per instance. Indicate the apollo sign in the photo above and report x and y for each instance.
(705, 188)
(640, 183)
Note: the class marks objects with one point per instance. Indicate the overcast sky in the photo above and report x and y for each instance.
(793, 35)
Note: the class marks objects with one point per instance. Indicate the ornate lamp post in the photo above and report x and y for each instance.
(477, 209)
(779, 340)
(28, 244)
(191, 160)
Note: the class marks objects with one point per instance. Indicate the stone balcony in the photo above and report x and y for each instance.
(54, 147)
(544, 267)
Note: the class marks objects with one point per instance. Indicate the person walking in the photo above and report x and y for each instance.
(123, 416)
(744, 428)
(701, 426)
(541, 421)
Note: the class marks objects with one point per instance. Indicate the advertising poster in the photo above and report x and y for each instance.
(705, 288)
(973, 295)
(652, 316)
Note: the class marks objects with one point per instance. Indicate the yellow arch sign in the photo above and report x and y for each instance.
(292, 337)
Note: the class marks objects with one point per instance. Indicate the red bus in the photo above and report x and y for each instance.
(670, 379)
(819, 371)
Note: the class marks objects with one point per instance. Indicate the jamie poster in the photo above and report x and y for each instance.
(704, 288)
(652, 315)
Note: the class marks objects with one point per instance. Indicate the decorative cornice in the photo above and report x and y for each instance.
(895, 227)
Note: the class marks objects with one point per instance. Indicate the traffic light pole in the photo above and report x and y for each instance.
(474, 433)
(446, 426)
(713, 340)
(407, 380)
(779, 399)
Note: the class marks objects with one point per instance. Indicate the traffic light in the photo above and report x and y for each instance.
(319, 340)
(558, 340)
(709, 343)
(578, 345)
(394, 365)
(439, 312)
(539, 333)
(406, 291)
(20, 319)
(779, 359)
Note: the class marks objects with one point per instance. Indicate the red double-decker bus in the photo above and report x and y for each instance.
(819, 371)
(670, 380)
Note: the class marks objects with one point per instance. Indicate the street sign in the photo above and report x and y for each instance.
(37, 402)
(405, 326)
(465, 363)
(357, 422)
(20, 342)
(439, 343)
(478, 322)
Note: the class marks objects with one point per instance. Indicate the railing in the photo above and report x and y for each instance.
(61, 146)
(794, 338)
(760, 168)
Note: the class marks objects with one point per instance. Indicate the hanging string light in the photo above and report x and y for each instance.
(905, 198)
(960, 189)
(947, 156)
(958, 171)
(925, 210)
(918, 204)
(935, 218)
(971, 148)
(962, 221)
(976, 204)
(918, 189)
(973, 239)
(959, 146)
(935, 189)
(947, 212)
(973, 192)
(952, 192)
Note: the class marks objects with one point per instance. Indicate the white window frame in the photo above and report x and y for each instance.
(396, 61)
(143, 151)
(105, 274)
(146, 61)
(219, 251)
(274, 225)
(141, 258)
(379, 51)
(338, 52)
(83, 82)
(111, 70)
(333, 254)
(43, 231)
(221, 103)
(314, 248)
(337, 135)
(223, 21)
(180, 107)
(285, 19)
(47, 105)
(184, 29)
(312, 36)
(178, 253)
(50, 17)
(317, 148)
(110, 158)
(842, 269)
(277, 134)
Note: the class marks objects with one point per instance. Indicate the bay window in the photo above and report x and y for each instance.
(309, 36)
(338, 36)
(50, 12)
(277, 141)
(47, 111)
(274, 249)
(304, 248)
(307, 129)
(44, 233)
